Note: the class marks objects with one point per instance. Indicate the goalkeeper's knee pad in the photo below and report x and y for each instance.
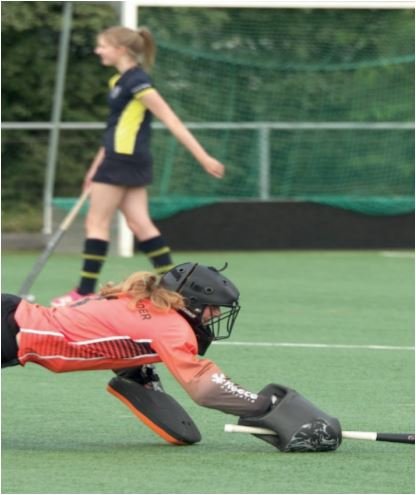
(299, 425)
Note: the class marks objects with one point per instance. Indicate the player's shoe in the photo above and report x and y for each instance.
(144, 375)
(68, 298)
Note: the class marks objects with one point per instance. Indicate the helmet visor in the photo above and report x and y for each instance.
(221, 324)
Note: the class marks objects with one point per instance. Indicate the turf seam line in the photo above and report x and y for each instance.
(374, 347)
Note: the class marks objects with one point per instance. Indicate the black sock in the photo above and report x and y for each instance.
(158, 253)
(94, 255)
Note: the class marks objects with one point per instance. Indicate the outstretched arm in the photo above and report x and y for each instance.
(160, 108)
(207, 385)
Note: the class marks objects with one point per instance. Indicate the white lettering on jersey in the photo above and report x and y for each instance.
(228, 386)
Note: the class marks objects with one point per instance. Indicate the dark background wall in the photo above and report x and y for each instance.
(252, 226)
(285, 225)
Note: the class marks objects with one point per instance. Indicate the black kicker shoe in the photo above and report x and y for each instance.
(144, 375)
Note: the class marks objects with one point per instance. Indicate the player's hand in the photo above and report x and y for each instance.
(213, 167)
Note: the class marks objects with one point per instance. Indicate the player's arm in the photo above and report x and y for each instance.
(208, 386)
(299, 424)
(154, 102)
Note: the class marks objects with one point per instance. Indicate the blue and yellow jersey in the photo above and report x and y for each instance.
(128, 125)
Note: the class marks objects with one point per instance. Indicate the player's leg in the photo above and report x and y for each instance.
(104, 201)
(9, 330)
(136, 210)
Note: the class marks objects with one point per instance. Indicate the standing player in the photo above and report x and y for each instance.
(122, 168)
(146, 320)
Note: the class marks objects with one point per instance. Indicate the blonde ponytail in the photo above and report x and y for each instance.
(144, 285)
(149, 47)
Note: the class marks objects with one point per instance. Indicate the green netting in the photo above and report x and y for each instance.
(274, 66)
(161, 208)
(258, 69)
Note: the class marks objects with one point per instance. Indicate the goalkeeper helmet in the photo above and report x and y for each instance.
(202, 287)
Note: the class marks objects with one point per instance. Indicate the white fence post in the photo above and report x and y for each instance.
(125, 237)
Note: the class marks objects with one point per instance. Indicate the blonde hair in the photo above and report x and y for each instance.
(140, 44)
(144, 285)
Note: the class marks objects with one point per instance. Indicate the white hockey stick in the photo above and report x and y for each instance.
(356, 435)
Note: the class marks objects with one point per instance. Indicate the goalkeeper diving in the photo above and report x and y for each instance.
(130, 326)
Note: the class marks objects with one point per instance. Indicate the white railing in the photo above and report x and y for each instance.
(280, 4)
(262, 128)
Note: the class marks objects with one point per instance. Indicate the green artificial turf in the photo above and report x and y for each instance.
(65, 434)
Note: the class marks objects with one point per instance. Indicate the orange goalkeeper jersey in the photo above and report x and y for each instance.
(97, 334)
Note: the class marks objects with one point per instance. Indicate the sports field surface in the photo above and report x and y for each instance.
(336, 326)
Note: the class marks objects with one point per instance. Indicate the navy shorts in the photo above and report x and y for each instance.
(125, 171)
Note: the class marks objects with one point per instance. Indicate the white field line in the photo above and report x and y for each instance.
(397, 254)
(372, 347)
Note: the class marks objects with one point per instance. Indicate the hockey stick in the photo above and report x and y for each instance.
(50, 247)
(356, 435)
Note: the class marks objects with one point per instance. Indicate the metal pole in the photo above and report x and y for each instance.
(56, 118)
(264, 160)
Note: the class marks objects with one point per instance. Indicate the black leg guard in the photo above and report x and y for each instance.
(157, 410)
(300, 426)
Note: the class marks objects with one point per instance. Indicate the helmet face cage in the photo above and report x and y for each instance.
(205, 287)
(221, 332)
